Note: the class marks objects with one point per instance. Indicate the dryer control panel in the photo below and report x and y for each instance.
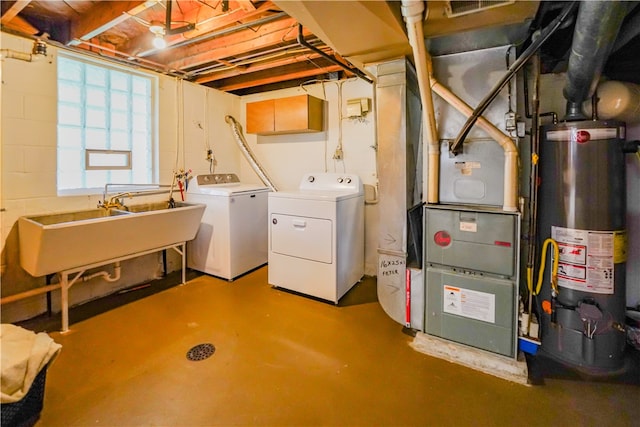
(323, 181)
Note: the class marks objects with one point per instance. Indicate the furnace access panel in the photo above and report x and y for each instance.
(471, 259)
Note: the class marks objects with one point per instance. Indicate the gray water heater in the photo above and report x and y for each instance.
(582, 207)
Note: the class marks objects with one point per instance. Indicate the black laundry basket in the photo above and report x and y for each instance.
(26, 411)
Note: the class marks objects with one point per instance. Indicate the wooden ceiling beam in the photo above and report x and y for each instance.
(13, 11)
(246, 4)
(141, 44)
(238, 44)
(104, 16)
(258, 66)
(276, 78)
(20, 25)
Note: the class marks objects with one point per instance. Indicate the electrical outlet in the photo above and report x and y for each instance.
(209, 154)
(337, 155)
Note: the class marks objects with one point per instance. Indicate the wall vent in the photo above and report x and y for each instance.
(458, 8)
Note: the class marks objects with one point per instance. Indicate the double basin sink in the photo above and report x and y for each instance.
(64, 241)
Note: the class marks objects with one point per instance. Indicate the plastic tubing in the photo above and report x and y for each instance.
(554, 269)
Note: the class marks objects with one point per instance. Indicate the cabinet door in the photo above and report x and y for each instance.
(301, 113)
(260, 117)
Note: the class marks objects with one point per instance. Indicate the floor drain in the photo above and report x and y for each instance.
(201, 352)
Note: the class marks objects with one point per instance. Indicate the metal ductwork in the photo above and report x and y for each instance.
(595, 32)
(236, 129)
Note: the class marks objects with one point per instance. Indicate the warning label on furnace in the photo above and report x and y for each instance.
(587, 259)
(468, 303)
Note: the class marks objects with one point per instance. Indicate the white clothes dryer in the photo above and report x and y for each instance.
(316, 236)
(232, 238)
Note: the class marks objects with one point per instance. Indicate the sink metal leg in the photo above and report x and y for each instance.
(184, 263)
(64, 295)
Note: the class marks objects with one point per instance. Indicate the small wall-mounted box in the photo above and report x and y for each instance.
(358, 107)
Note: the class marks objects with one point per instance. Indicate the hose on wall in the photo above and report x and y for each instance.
(236, 129)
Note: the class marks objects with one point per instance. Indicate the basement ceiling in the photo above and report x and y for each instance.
(237, 46)
(248, 46)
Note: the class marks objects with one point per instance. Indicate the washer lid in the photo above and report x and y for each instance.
(329, 196)
(226, 190)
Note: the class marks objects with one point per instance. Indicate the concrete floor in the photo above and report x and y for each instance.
(286, 360)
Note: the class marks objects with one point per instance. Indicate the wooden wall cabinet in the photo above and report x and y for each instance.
(295, 114)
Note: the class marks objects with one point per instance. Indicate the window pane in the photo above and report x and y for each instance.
(96, 118)
(119, 140)
(69, 180)
(103, 108)
(123, 176)
(141, 86)
(96, 138)
(70, 70)
(70, 160)
(96, 97)
(70, 92)
(96, 178)
(96, 76)
(141, 140)
(140, 122)
(119, 120)
(119, 101)
(70, 137)
(141, 104)
(69, 114)
(119, 81)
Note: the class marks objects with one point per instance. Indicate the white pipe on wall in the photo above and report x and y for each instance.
(510, 151)
(22, 56)
(412, 12)
(105, 275)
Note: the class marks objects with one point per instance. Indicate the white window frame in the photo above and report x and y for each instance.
(85, 152)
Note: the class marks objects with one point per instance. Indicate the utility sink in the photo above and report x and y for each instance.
(57, 242)
(147, 207)
(66, 217)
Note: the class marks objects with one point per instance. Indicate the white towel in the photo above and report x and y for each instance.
(24, 354)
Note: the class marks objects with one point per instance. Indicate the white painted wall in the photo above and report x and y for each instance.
(28, 177)
(191, 118)
(286, 158)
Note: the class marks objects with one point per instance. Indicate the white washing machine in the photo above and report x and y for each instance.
(232, 238)
(316, 236)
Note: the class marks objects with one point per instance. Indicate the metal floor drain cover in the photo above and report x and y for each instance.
(201, 352)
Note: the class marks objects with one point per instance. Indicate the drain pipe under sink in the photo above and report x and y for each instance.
(105, 275)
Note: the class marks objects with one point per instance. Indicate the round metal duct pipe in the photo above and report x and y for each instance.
(595, 32)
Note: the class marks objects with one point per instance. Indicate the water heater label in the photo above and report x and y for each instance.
(578, 135)
(586, 259)
(468, 303)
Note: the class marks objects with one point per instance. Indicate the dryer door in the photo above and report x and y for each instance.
(302, 237)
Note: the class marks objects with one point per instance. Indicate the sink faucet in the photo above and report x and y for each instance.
(114, 201)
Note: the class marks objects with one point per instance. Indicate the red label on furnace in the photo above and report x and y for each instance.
(442, 238)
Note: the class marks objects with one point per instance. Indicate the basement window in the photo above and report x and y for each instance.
(106, 118)
(107, 159)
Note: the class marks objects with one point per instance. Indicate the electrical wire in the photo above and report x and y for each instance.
(338, 152)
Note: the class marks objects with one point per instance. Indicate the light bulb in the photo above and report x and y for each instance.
(156, 28)
(159, 42)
